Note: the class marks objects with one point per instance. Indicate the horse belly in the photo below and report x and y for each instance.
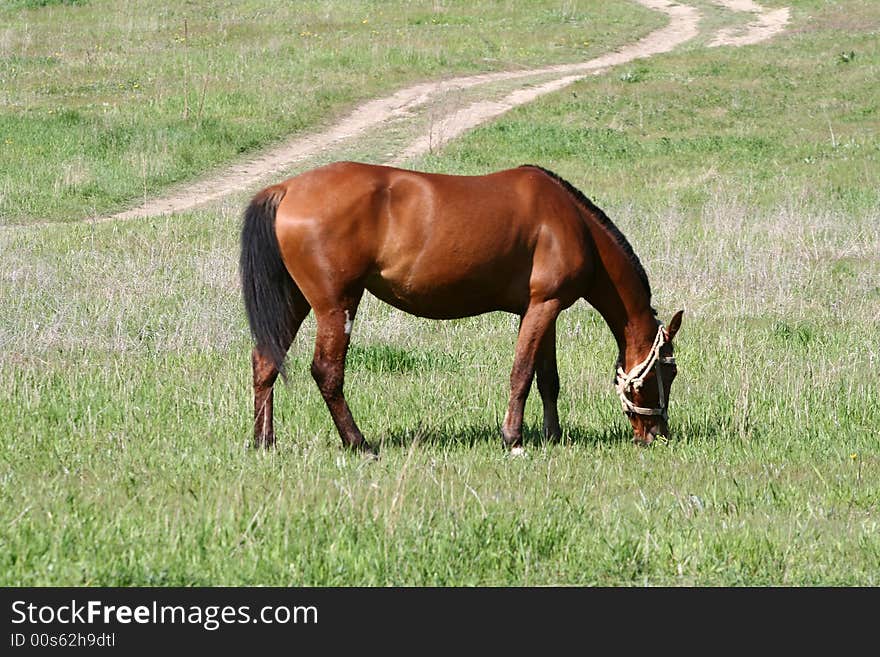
(450, 295)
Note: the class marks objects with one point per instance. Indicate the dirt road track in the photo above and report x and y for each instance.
(767, 24)
(373, 115)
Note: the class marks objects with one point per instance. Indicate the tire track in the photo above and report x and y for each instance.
(767, 24)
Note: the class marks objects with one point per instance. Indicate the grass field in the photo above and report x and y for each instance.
(105, 102)
(747, 180)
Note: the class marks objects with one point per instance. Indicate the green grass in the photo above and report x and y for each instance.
(105, 102)
(791, 119)
(125, 382)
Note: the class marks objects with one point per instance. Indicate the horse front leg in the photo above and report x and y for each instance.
(537, 320)
(328, 369)
(548, 383)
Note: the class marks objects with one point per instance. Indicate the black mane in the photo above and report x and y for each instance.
(603, 219)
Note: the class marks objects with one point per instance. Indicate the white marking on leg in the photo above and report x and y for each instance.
(517, 451)
(347, 327)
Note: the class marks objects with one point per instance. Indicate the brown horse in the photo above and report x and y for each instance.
(523, 241)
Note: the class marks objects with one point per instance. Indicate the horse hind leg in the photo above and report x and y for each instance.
(335, 324)
(265, 370)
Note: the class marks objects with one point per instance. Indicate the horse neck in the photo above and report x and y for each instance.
(619, 295)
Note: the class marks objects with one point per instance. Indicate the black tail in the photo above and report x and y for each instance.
(267, 287)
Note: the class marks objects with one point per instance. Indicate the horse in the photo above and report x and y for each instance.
(523, 241)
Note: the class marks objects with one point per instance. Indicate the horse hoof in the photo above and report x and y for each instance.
(367, 452)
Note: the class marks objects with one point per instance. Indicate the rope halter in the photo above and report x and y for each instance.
(625, 382)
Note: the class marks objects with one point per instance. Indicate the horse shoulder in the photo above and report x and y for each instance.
(563, 256)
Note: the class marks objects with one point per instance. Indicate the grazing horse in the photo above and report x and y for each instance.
(523, 241)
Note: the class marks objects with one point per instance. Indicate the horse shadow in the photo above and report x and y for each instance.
(703, 431)
(482, 434)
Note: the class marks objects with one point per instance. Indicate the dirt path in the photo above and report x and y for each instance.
(373, 115)
(767, 24)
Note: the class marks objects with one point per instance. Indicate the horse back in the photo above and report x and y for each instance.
(432, 244)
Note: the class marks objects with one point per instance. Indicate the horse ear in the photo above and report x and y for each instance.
(674, 325)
